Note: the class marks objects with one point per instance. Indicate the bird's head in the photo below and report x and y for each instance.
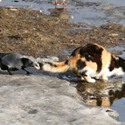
(29, 63)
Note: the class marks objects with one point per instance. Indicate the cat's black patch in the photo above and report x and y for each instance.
(66, 62)
(116, 63)
(122, 63)
(112, 64)
(92, 53)
(80, 64)
(75, 51)
(51, 64)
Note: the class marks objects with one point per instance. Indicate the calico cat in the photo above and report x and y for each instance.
(90, 62)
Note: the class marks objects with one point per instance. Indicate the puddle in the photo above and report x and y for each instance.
(119, 104)
(110, 94)
(90, 12)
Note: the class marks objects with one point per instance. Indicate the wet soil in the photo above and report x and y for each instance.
(32, 32)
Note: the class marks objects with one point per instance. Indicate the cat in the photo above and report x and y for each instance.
(90, 62)
(15, 61)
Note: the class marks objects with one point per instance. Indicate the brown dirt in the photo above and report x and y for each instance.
(33, 33)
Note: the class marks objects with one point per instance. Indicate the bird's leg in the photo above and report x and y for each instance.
(9, 72)
(28, 73)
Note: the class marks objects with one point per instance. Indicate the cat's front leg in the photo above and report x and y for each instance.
(89, 79)
(104, 77)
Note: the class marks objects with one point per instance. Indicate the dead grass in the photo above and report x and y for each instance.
(33, 33)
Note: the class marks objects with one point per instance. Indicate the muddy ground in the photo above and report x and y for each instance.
(32, 32)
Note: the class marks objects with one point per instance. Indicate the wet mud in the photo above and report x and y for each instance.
(31, 32)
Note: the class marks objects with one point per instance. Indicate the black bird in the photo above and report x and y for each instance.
(14, 61)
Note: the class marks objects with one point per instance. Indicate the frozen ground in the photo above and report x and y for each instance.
(42, 99)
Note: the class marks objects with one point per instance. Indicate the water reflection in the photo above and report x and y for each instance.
(117, 94)
(101, 94)
(92, 12)
(61, 13)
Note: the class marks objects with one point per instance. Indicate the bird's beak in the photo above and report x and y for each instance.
(36, 65)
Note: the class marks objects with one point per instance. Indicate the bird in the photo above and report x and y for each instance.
(59, 3)
(15, 61)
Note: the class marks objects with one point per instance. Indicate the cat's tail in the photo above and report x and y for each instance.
(54, 66)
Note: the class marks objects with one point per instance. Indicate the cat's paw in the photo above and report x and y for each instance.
(91, 80)
(104, 78)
